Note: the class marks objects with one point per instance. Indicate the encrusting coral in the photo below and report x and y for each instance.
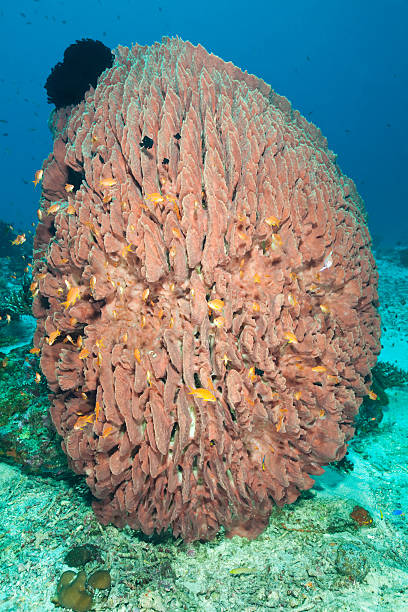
(206, 297)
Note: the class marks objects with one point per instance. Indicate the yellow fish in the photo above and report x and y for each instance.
(20, 239)
(126, 249)
(68, 187)
(251, 373)
(237, 571)
(372, 395)
(319, 369)
(203, 394)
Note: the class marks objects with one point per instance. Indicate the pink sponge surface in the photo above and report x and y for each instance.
(208, 324)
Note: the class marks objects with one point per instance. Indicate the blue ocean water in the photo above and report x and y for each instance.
(344, 66)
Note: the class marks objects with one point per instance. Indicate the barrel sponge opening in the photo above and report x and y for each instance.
(83, 62)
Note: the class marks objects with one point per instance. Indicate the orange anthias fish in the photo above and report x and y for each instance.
(372, 395)
(203, 394)
(273, 221)
(84, 420)
(216, 304)
(108, 182)
(156, 198)
(334, 379)
(107, 429)
(319, 369)
(68, 187)
(72, 296)
(20, 239)
(219, 321)
(53, 209)
(292, 300)
(52, 337)
(38, 176)
(290, 337)
(276, 241)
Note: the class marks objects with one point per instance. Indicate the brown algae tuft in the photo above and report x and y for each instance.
(81, 555)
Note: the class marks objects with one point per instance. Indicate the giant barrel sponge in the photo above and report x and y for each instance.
(206, 295)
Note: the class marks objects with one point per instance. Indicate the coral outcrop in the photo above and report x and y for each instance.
(206, 296)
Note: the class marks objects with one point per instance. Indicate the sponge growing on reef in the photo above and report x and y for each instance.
(205, 294)
(83, 62)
